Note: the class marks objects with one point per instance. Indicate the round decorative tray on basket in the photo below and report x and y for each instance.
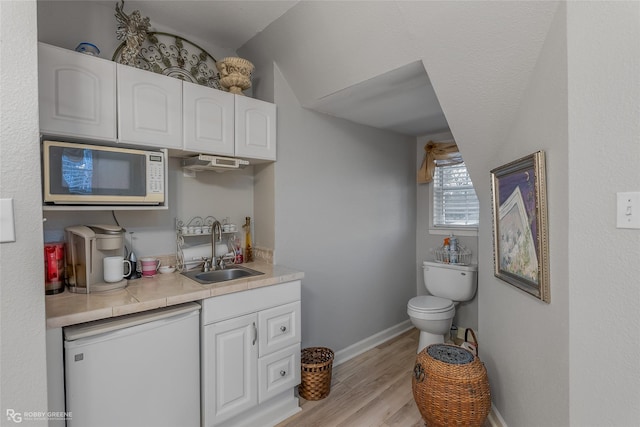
(450, 387)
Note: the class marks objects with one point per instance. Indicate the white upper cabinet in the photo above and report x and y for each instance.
(255, 126)
(87, 97)
(208, 120)
(77, 94)
(149, 108)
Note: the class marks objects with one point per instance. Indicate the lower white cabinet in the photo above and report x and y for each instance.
(251, 356)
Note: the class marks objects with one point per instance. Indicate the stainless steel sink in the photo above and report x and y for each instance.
(216, 276)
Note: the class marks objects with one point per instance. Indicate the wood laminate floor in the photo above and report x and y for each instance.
(372, 389)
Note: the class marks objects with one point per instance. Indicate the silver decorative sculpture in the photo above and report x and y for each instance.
(132, 30)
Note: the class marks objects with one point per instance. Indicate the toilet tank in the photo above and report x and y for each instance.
(455, 282)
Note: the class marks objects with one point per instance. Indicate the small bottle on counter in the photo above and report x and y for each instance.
(237, 246)
(248, 250)
(447, 250)
(453, 249)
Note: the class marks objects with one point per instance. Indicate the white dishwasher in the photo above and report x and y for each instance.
(137, 370)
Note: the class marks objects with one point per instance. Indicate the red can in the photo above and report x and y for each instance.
(54, 268)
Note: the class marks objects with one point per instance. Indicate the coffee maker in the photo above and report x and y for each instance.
(87, 246)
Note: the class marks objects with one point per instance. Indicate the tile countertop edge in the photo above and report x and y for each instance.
(147, 294)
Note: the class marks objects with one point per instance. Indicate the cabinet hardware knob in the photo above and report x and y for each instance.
(283, 373)
(283, 328)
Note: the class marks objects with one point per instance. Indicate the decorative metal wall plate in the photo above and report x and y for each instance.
(174, 56)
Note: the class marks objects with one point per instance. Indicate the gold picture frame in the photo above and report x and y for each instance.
(520, 230)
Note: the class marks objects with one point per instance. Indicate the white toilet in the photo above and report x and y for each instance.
(433, 314)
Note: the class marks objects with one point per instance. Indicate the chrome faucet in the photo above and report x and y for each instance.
(215, 262)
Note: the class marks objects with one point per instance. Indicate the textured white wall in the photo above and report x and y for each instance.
(604, 147)
(345, 215)
(528, 339)
(22, 315)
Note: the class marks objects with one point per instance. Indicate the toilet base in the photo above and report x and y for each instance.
(426, 339)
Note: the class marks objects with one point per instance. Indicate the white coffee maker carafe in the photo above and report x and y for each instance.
(87, 246)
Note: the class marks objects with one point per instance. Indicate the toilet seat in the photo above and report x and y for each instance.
(431, 308)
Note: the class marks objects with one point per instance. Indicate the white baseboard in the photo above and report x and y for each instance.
(495, 419)
(370, 342)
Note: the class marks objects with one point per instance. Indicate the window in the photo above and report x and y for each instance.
(455, 204)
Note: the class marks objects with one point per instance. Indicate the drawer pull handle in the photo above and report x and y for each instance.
(283, 328)
(283, 373)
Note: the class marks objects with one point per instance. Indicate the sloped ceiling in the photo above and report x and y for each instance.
(413, 67)
(477, 58)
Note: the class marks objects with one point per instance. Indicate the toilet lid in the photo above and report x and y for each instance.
(430, 304)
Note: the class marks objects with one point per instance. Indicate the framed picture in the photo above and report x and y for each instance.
(520, 233)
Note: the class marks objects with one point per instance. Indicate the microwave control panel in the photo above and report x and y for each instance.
(155, 174)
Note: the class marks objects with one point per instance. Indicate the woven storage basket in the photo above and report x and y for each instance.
(450, 387)
(316, 365)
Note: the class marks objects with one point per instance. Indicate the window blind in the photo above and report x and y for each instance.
(454, 200)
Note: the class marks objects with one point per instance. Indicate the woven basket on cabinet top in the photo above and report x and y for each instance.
(316, 365)
(450, 387)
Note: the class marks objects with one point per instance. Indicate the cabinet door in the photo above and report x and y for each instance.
(278, 372)
(149, 108)
(77, 94)
(279, 327)
(255, 128)
(208, 120)
(229, 368)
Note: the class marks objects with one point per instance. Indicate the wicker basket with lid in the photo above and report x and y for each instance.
(450, 387)
(316, 366)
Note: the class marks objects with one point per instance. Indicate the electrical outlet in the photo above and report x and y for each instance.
(628, 210)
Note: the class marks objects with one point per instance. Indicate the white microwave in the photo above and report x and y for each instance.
(82, 174)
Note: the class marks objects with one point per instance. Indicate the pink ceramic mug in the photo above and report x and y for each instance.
(149, 266)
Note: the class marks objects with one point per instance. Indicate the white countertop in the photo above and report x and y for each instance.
(162, 290)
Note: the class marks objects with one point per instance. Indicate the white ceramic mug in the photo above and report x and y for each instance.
(149, 266)
(114, 270)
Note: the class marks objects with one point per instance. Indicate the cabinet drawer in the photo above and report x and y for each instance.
(236, 304)
(278, 372)
(279, 328)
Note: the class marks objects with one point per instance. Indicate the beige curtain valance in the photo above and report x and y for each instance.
(435, 151)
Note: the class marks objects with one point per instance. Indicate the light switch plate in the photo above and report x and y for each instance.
(7, 227)
(628, 211)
